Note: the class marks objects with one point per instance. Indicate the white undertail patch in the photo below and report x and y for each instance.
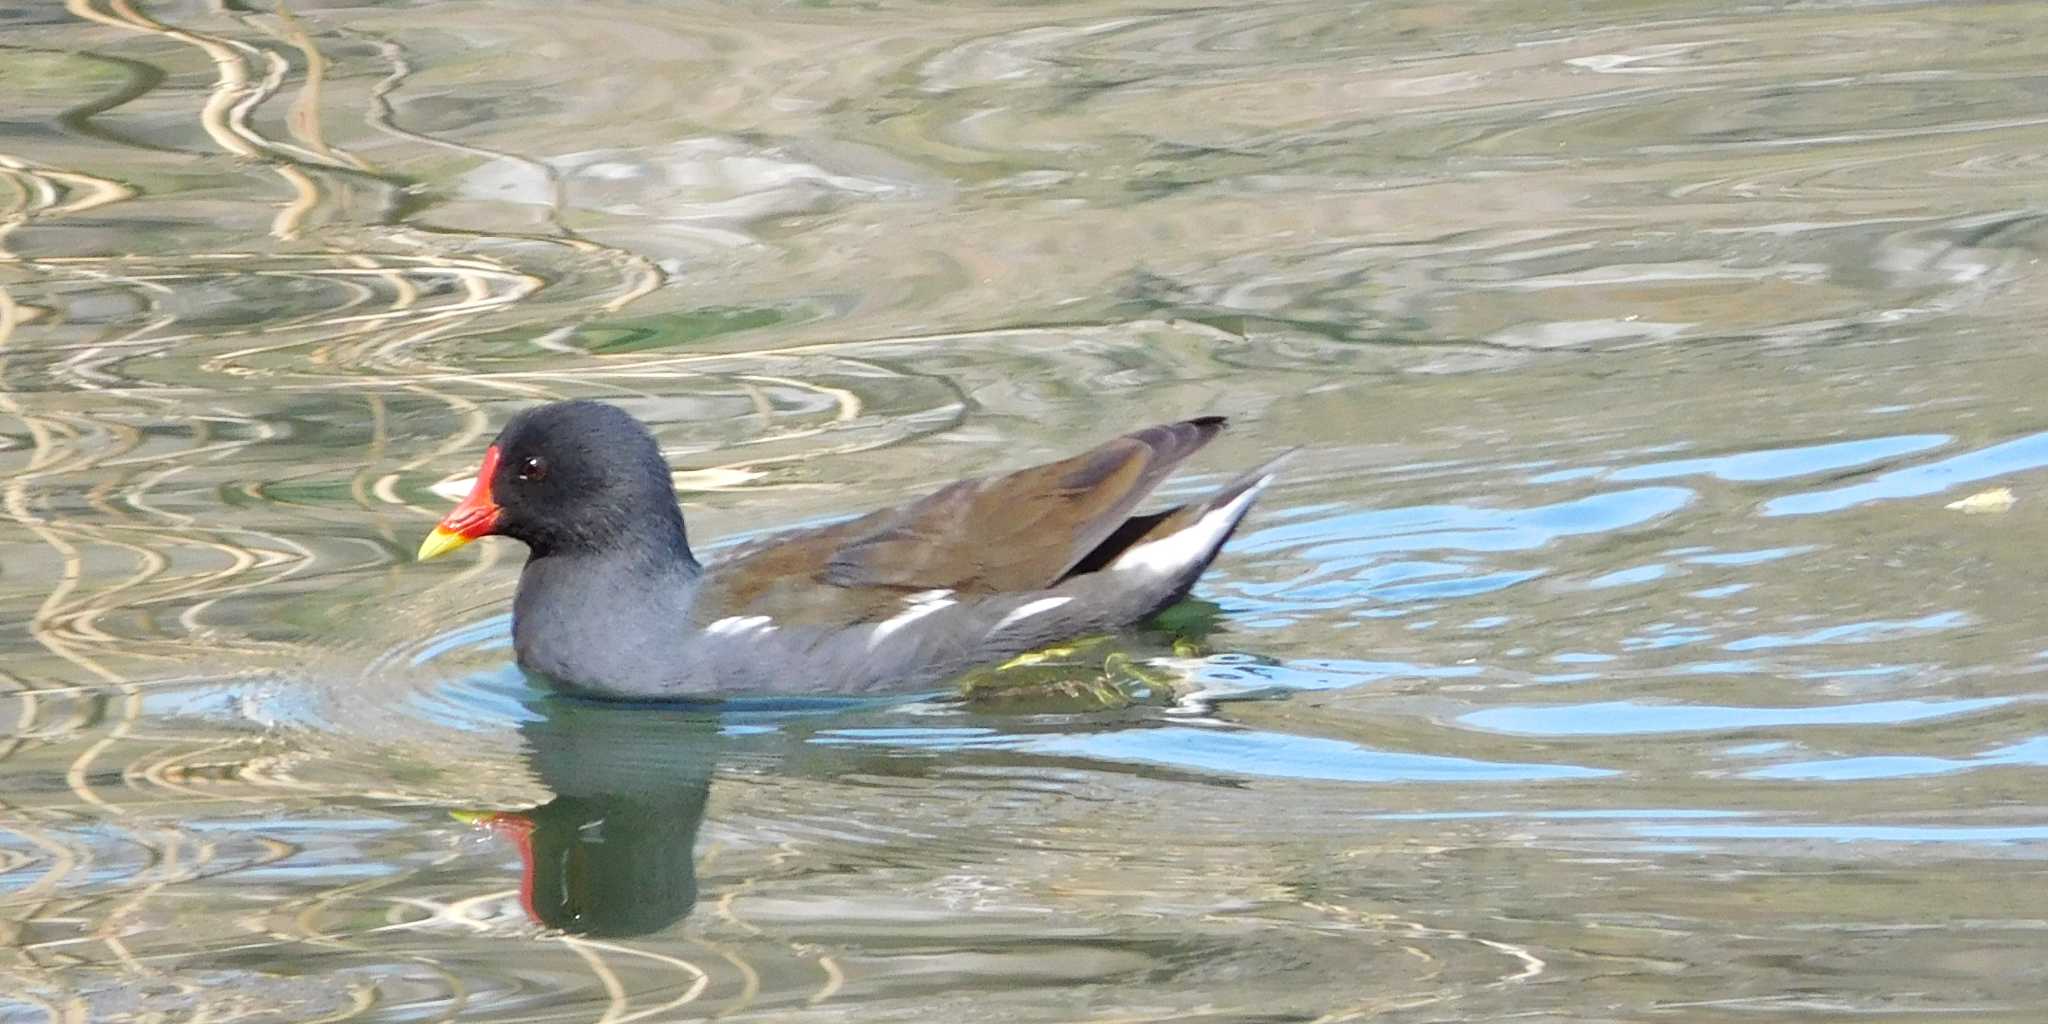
(738, 624)
(1025, 611)
(1177, 551)
(922, 603)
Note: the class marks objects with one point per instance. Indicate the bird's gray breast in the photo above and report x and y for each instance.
(601, 629)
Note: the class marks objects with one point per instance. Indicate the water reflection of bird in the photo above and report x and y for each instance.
(612, 603)
(612, 853)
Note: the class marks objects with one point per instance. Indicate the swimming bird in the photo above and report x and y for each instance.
(612, 603)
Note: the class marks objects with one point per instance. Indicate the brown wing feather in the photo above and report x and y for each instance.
(1020, 531)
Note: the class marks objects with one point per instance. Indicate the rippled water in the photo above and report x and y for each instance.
(1608, 653)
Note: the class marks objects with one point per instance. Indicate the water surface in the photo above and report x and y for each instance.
(1607, 653)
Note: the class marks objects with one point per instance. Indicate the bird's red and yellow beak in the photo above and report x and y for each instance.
(475, 517)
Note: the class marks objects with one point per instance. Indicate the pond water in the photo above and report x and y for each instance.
(1610, 650)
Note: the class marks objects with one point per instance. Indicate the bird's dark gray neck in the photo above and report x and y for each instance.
(632, 537)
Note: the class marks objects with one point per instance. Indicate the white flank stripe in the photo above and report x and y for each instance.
(738, 624)
(1043, 604)
(1176, 551)
(922, 604)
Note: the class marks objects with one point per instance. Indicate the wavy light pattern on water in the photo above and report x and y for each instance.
(1607, 651)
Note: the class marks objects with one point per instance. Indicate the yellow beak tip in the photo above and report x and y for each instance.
(440, 542)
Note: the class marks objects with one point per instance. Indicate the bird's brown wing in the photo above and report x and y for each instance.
(1017, 532)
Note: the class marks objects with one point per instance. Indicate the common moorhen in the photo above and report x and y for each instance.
(612, 604)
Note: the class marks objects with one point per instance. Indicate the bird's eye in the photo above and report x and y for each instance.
(532, 468)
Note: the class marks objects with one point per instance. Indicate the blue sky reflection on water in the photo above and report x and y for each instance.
(1617, 718)
(1977, 466)
(1239, 752)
